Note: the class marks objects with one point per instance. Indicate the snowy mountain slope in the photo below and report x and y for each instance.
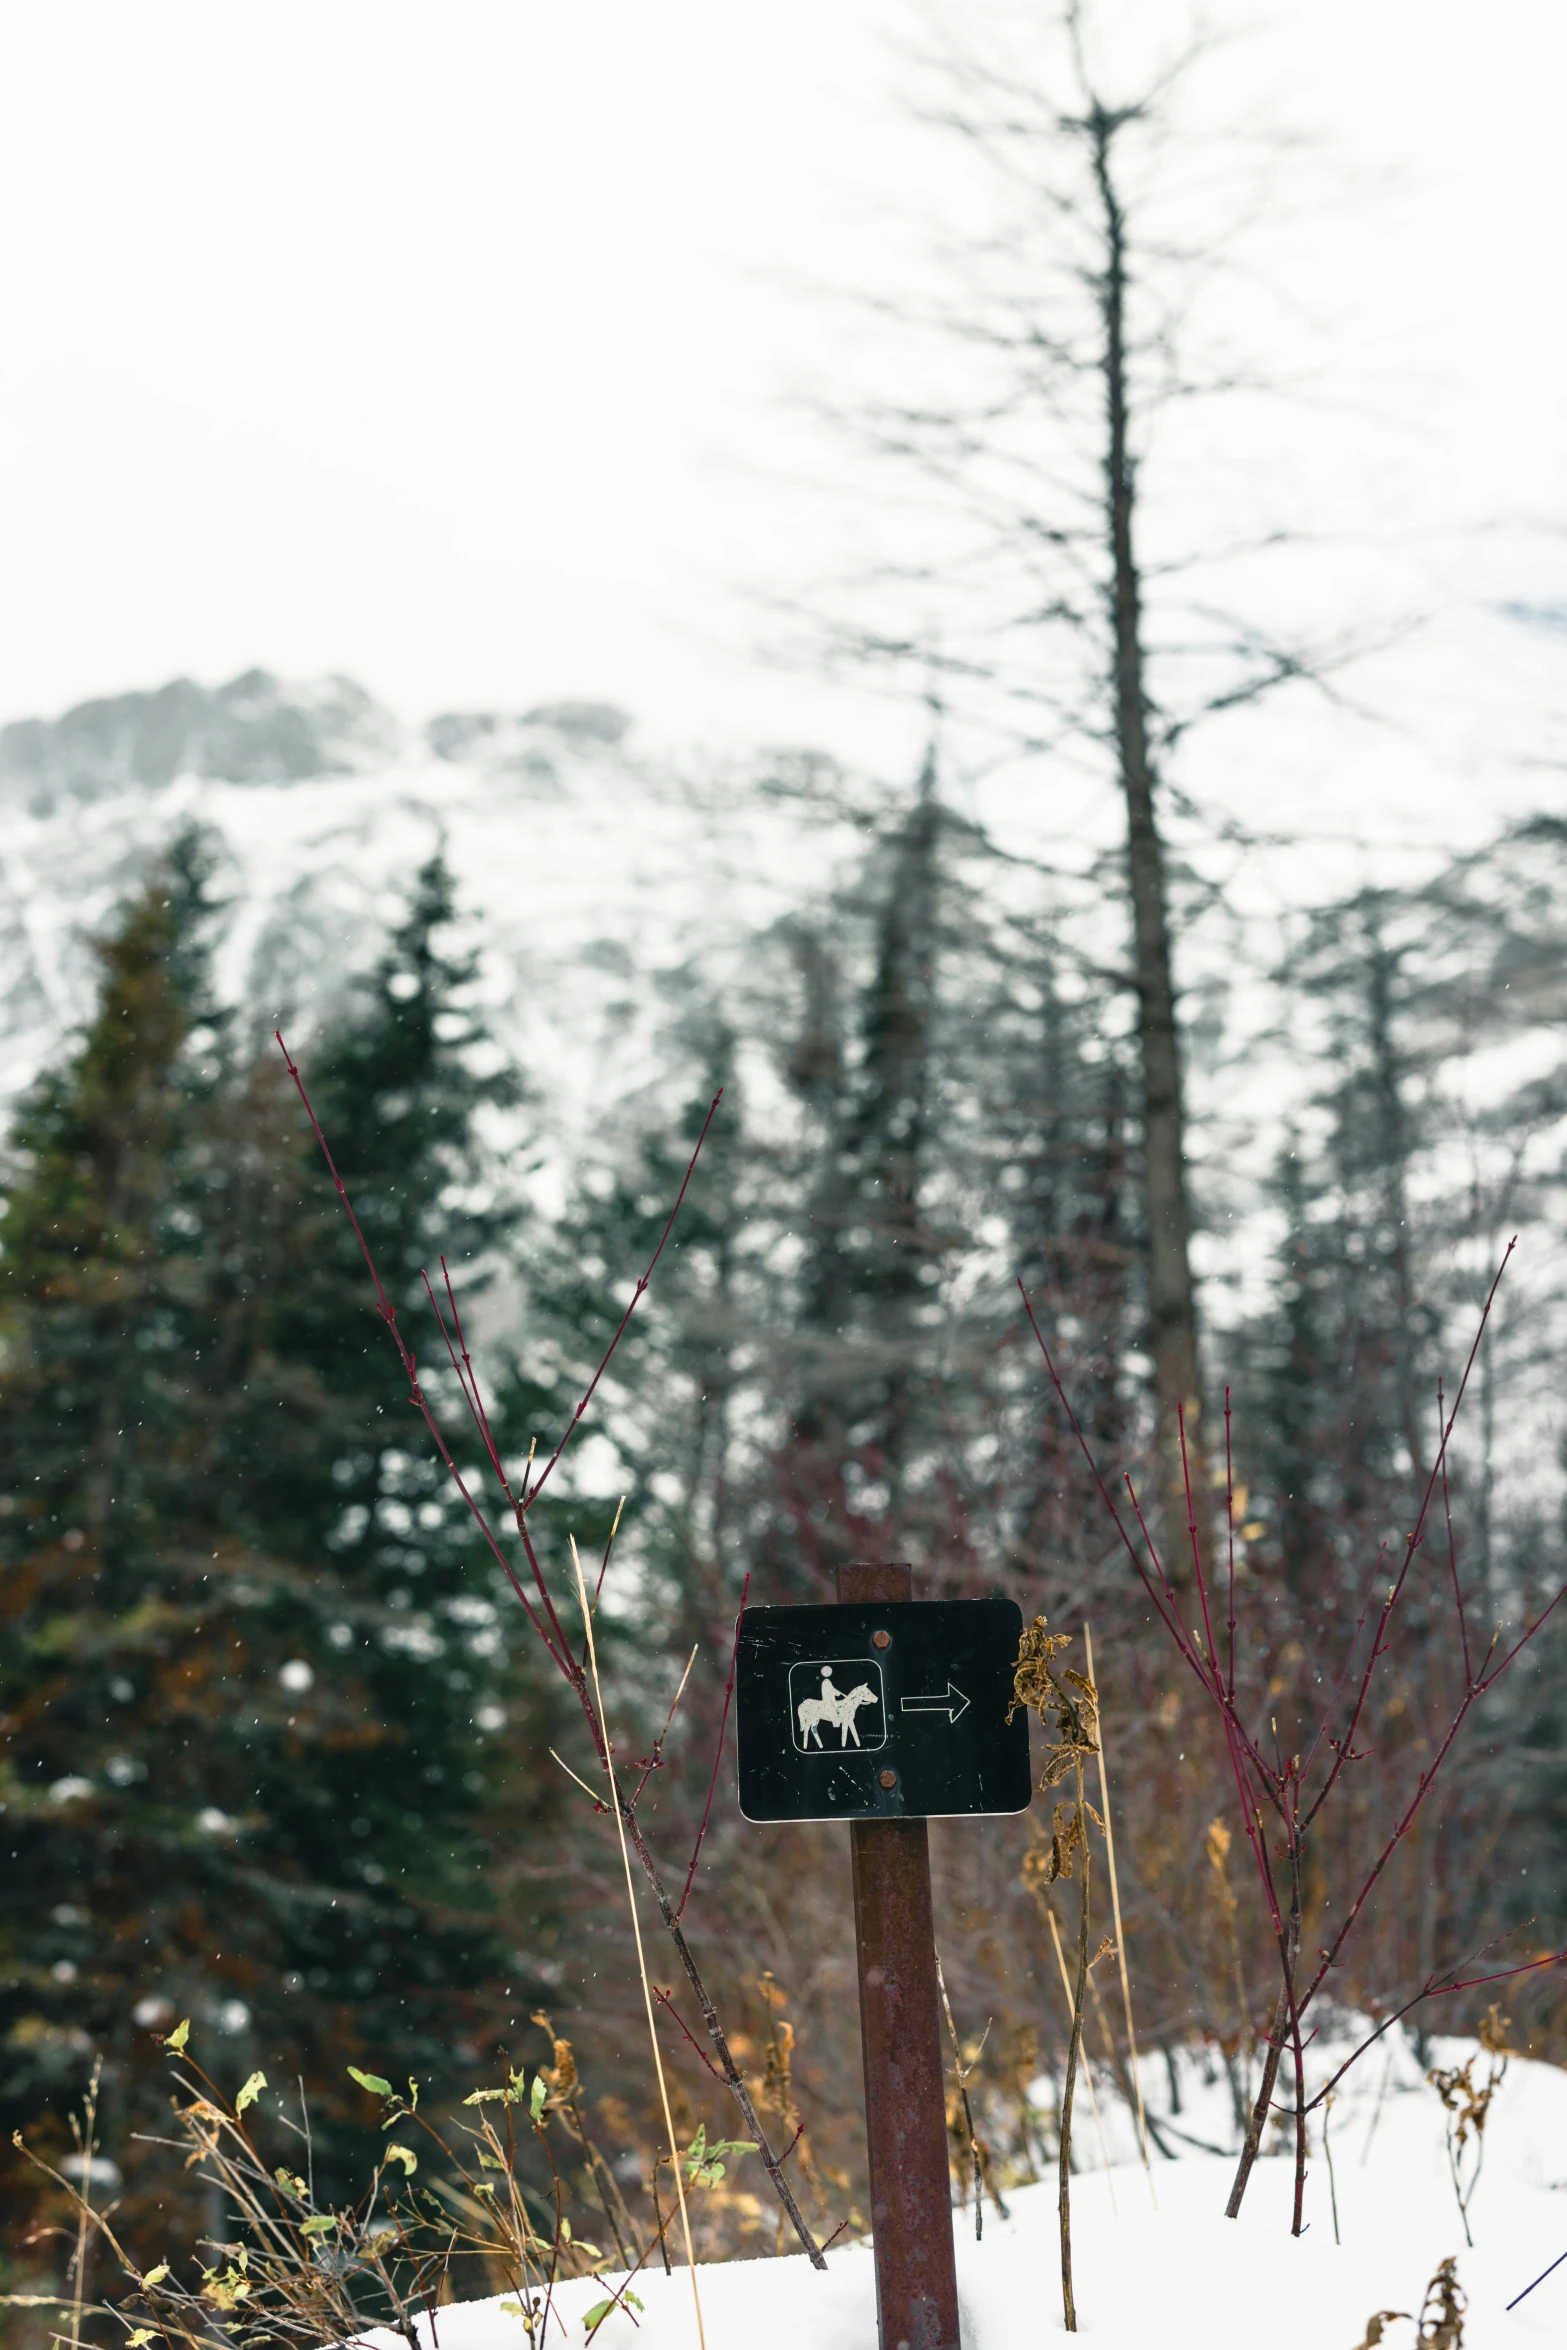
(616, 887)
(1159, 2264)
(252, 730)
(593, 869)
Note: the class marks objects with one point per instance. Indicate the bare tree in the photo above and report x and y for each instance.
(1060, 356)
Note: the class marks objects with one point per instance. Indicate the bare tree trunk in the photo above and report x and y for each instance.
(1259, 2111)
(1278, 2033)
(1172, 1311)
(1397, 1151)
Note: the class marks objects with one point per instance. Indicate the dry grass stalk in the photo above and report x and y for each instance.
(86, 2136)
(1074, 2050)
(777, 2094)
(1327, 2156)
(636, 1928)
(1120, 1934)
(967, 2141)
(777, 2091)
(1088, 2070)
(1071, 1698)
(89, 2223)
(1468, 2104)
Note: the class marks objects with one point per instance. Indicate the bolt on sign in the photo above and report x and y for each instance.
(884, 1712)
(880, 1712)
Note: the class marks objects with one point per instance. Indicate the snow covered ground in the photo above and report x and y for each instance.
(1158, 2266)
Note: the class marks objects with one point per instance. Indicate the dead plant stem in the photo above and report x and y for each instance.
(1074, 2051)
(636, 1929)
(1327, 2155)
(1088, 2070)
(960, 2073)
(1376, 2110)
(1120, 1933)
(86, 2148)
(608, 2192)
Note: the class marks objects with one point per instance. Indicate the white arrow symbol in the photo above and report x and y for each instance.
(952, 1703)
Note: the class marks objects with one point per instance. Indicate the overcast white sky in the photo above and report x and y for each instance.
(444, 345)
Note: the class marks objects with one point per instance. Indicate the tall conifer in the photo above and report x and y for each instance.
(266, 1745)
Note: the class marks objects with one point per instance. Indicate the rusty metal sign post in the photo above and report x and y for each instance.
(884, 1713)
(900, 2033)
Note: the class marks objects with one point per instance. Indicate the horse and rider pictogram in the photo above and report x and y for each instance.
(885, 1709)
(818, 1703)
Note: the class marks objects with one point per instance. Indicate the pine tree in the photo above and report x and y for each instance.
(864, 1071)
(1337, 1409)
(264, 1728)
(1052, 1173)
(963, 1122)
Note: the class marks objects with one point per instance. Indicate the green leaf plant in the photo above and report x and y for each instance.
(290, 2274)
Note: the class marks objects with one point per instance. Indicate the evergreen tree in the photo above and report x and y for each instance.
(867, 1067)
(1337, 1408)
(264, 1723)
(1055, 1194)
(962, 1122)
(825, 1371)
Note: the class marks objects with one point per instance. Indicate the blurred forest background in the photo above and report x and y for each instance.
(277, 1736)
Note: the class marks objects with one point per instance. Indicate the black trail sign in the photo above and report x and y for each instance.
(885, 1711)
(880, 1711)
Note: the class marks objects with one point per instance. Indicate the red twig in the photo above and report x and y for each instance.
(468, 1374)
(1412, 1544)
(1452, 1552)
(718, 1755)
(1229, 1520)
(637, 1295)
(1191, 1529)
(467, 1380)
(388, 1314)
(1487, 1679)
(665, 2001)
(655, 1761)
(1237, 1743)
(1432, 1989)
(1283, 1781)
(1337, 1691)
(1400, 1831)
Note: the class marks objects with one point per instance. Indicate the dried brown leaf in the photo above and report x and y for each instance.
(1375, 2327)
(1442, 2317)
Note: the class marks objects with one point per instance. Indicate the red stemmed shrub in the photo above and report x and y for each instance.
(1292, 1796)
